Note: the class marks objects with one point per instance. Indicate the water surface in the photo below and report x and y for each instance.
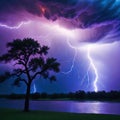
(66, 106)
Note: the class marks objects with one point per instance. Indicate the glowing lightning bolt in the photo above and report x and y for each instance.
(34, 89)
(72, 66)
(95, 70)
(14, 27)
(86, 76)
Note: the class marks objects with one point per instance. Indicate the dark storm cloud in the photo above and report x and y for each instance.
(75, 13)
(12, 6)
(84, 12)
(103, 15)
(13, 11)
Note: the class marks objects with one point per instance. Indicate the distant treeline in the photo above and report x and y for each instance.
(79, 95)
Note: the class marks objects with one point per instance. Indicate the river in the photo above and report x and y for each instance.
(66, 106)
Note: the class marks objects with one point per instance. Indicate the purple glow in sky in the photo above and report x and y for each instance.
(84, 35)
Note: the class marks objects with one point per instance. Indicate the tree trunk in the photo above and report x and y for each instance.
(27, 96)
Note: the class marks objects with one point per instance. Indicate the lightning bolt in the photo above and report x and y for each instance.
(34, 89)
(94, 69)
(72, 65)
(14, 27)
(71, 34)
(86, 77)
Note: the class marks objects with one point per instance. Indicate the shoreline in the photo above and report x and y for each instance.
(66, 99)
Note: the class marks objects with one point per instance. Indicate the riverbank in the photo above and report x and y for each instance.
(10, 114)
(78, 95)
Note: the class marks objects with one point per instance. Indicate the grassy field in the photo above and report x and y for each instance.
(6, 114)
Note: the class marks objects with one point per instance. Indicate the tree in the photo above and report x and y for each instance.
(30, 61)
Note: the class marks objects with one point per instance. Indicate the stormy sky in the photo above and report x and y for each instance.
(82, 34)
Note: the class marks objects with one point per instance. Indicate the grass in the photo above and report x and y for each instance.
(9, 114)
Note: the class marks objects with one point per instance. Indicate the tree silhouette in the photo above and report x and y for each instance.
(30, 60)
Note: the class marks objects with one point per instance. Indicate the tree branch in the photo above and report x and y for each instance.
(34, 76)
(23, 80)
(18, 72)
(39, 73)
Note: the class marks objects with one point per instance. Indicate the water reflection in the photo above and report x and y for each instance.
(86, 107)
(66, 106)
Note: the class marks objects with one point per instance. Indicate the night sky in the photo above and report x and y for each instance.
(84, 35)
